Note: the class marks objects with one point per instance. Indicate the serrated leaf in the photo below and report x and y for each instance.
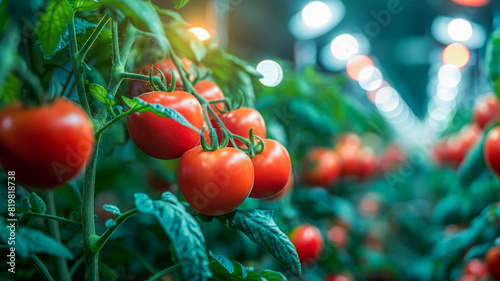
(112, 209)
(86, 5)
(37, 203)
(101, 95)
(179, 3)
(138, 105)
(187, 238)
(52, 24)
(39, 242)
(260, 227)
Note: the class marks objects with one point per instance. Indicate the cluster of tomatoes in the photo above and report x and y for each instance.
(479, 270)
(214, 181)
(452, 150)
(323, 167)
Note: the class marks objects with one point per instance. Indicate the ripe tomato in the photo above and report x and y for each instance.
(215, 182)
(321, 167)
(211, 92)
(391, 159)
(349, 140)
(467, 278)
(350, 161)
(492, 150)
(338, 236)
(138, 87)
(272, 169)
(161, 137)
(287, 189)
(486, 110)
(308, 242)
(493, 261)
(46, 146)
(337, 278)
(241, 120)
(477, 268)
(368, 163)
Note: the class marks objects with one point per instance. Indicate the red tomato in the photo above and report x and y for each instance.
(467, 278)
(215, 182)
(241, 120)
(272, 169)
(308, 242)
(349, 140)
(477, 268)
(211, 92)
(492, 150)
(486, 110)
(350, 161)
(368, 164)
(138, 87)
(46, 146)
(337, 278)
(162, 137)
(338, 236)
(321, 167)
(493, 261)
(465, 140)
(391, 159)
(286, 190)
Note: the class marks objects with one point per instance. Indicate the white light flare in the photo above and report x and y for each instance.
(316, 14)
(272, 72)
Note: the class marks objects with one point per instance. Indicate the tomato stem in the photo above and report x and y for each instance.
(76, 61)
(107, 234)
(55, 218)
(93, 37)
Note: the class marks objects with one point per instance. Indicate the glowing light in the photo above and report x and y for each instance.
(387, 99)
(472, 3)
(272, 72)
(460, 30)
(446, 94)
(449, 75)
(344, 47)
(373, 93)
(456, 54)
(356, 64)
(200, 33)
(370, 78)
(316, 14)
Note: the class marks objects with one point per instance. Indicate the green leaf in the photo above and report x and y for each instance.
(38, 242)
(224, 262)
(138, 105)
(86, 5)
(11, 89)
(37, 203)
(272, 275)
(9, 41)
(101, 95)
(223, 269)
(112, 209)
(174, 15)
(492, 59)
(52, 24)
(187, 238)
(260, 227)
(198, 49)
(141, 14)
(179, 3)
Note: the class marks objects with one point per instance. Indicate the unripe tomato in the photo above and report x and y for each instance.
(46, 146)
(492, 150)
(308, 242)
(286, 190)
(241, 120)
(211, 92)
(215, 182)
(321, 167)
(272, 169)
(139, 87)
(493, 262)
(162, 137)
(477, 268)
(486, 110)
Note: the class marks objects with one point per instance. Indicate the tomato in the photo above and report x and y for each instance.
(493, 261)
(321, 167)
(337, 278)
(158, 183)
(465, 140)
(477, 268)
(350, 161)
(370, 204)
(308, 242)
(492, 150)
(368, 164)
(162, 137)
(349, 140)
(467, 278)
(138, 87)
(338, 236)
(46, 146)
(215, 182)
(272, 169)
(286, 190)
(391, 159)
(211, 92)
(486, 110)
(241, 120)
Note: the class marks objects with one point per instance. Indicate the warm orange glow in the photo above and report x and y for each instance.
(472, 3)
(456, 54)
(356, 64)
(200, 33)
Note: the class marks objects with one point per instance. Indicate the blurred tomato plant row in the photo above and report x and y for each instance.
(139, 152)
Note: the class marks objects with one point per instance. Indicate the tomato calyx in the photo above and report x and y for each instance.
(163, 85)
(214, 139)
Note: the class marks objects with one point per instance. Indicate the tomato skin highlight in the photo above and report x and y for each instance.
(272, 169)
(46, 146)
(215, 182)
(211, 92)
(492, 150)
(308, 242)
(493, 262)
(486, 110)
(321, 167)
(161, 137)
(241, 120)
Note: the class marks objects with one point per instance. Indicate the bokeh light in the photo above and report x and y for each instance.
(200, 33)
(449, 75)
(456, 54)
(356, 64)
(387, 99)
(460, 30)
(370, 78)
(272, 72)
(344, 47)
(472, 3)
(316, 14)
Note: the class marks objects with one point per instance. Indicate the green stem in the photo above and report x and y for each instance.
(135, 76)
(61, 265)
(117, 69)
(111, 122)
(93, 37)
(107, 234)
(41, 267)
(127, 44)
(88, 222)
(116, 44)
(163, 272)
(76, 60)
(55, 218)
